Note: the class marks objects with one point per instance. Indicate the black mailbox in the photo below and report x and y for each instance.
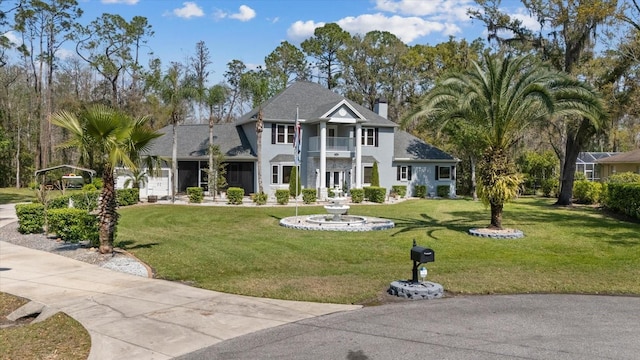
(422, 255)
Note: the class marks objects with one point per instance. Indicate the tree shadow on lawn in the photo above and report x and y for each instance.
(461, 224)
(582, 223)
(124, 244)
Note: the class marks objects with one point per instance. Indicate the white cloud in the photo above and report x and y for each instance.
(434, 9)
(527, 20)
(301, 30)
(188, 10)
(245, 13)
(409, 20)
(65, 54)
(127, 2)
(13, 37)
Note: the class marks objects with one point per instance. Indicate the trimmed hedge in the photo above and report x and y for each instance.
(235, 195)
(30, 218)
(126, 197)
(587, 192)
(196, 194)
(420, 191)
(443, 191)
(357, 195)
(259, 198)
(399, 190)
(623, 198)
(309, 196)
(375, 194)
(74, 225)
(282, 196)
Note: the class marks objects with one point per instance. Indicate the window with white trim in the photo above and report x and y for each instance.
(404, 173)
(281, 174)
(443, 173)
(284, 134)
(369, 137)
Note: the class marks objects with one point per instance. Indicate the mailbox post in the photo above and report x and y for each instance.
(420, 255)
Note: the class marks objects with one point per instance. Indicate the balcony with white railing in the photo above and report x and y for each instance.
(342, 145)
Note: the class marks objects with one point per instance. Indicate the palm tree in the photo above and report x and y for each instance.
(214, 97)
(256, 83)
(119, 141)
(500, 98)
(174, 89)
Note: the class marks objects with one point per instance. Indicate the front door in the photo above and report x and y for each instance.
(334, 179)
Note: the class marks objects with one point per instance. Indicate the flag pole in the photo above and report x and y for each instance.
(296, 158)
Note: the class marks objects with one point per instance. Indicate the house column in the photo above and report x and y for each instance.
(323, 161)
(358, 140)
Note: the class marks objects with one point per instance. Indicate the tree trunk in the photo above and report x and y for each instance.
(575, 143)
(107, 212)
(474, 183)
(174, 163)
(212, 180)
(496, 216)
(259, 129)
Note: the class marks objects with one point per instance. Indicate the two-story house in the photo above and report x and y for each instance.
(340, 142)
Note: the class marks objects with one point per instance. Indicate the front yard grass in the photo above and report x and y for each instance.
(58, 337)
(243, 250)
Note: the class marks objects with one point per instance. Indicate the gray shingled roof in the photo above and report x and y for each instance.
(407, 146)
(193, 141)
(313, 101)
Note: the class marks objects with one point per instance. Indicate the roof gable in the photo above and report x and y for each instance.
(313, 102)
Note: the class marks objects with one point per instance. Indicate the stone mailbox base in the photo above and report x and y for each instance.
(416, 291)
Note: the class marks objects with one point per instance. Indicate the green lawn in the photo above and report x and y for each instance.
(13, 195)
(243, 250)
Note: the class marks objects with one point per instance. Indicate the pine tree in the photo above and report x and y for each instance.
(375, 177)
(294, 182)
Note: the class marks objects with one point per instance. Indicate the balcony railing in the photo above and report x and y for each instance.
(333, 144)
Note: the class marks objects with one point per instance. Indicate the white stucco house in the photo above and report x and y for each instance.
(341, 141)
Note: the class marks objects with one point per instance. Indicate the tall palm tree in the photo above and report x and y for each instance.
(500, 98)
(175, 88)
(119, 141)
(214, 97)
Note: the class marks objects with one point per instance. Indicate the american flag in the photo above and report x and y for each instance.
(297, 141)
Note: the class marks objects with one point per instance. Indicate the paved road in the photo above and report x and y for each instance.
(477, 327)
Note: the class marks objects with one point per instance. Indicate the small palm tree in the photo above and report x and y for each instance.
(119, 141)
(500, 98)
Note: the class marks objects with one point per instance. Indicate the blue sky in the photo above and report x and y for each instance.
(249, 30)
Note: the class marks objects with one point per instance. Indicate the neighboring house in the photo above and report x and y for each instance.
(587, 164)
(341, 141)
(622, 162)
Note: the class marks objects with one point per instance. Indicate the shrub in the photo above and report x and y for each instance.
(98, 183)
(87, 200)
(375, 175)
(443, 191)
(550, 187)
(309, 196)
(375, 193)
(357, 195)
(282, 196)
(235, 195)
(331, 193)
(61, 202)
(196, 194)
(74, 225)
(624, 178)
(420, 191)
(260, 198)
(126, 197)
(623, 198)
(89, 187)
(30, 218)
(587, 192)
(400, 190)
(294, 182)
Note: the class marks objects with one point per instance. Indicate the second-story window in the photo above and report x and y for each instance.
(369, 136)
(284, 134)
